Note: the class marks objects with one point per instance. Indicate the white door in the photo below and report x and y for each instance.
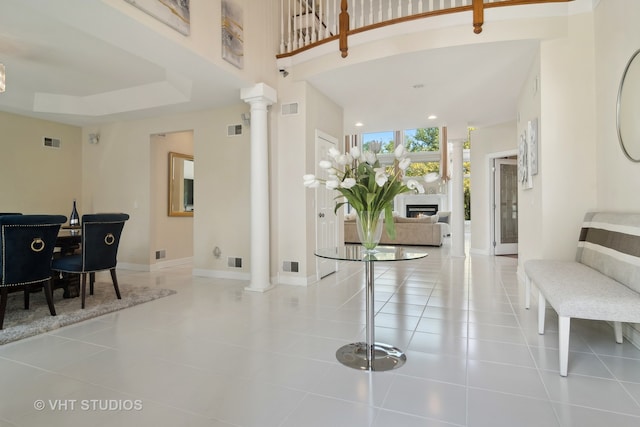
(326, 220)
(505, 207)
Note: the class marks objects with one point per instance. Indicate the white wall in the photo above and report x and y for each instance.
(37, 179)
(296, 141)
(551, 213)
(485, 143)
(616, 38)
(118, 178)
(172, 234)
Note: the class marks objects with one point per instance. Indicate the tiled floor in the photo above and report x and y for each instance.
(216, 355)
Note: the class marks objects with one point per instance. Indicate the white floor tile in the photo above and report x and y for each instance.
(216, 355)
(428, 399)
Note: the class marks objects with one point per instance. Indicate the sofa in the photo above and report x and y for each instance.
(423, 231)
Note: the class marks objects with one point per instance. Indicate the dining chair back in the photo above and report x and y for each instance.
(100, 241)
(27, 243)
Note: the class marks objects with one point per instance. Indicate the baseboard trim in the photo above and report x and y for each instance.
(292, 281)
(133, 267)
(221, 274)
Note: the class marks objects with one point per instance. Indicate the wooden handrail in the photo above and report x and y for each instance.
(477, 7)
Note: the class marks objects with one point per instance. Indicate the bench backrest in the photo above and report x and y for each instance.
(610, 243)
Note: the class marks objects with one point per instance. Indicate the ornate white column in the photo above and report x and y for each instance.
(457, 200)
(259, 97)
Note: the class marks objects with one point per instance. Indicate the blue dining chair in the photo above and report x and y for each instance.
(27, 243)
(100, 234)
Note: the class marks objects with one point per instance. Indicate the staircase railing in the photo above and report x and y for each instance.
(309, 23)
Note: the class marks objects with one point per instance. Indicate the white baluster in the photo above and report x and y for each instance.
(361, 13)
(410, 8)
(420, 6)
(289, 46)
(379, 10)
(389, 12)
(370, 12)
(322, 24)
(314, 38)
(307, 36)
(335, 17)
(293, 18)
(399, 8)
(430, 5)
(352, 17)
(281, 26)
(441, 4)
(300, 33)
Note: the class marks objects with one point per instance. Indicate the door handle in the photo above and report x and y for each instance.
(321, 215)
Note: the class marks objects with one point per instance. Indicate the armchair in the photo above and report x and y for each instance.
(27, 243)
(100, 240)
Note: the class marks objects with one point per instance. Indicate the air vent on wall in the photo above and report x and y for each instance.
(51, 142)
(234, 130)
(291, 108)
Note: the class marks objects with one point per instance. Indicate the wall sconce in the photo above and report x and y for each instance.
(246, 119)
(94, 138)
(2, 78)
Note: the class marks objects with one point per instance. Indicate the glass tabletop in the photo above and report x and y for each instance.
(382, 253)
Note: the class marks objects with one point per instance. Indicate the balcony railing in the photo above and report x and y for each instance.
(309, 23)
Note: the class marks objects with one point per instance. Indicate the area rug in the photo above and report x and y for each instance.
(20, 323)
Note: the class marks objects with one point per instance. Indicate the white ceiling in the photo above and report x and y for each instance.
(473, 85)
(85, 62)
(90, 63)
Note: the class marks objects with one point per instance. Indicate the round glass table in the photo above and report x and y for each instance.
(370, 355)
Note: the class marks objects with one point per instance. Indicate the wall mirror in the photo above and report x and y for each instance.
(628, 109)
(180, 184)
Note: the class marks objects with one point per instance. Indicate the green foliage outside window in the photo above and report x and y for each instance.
(422, 139)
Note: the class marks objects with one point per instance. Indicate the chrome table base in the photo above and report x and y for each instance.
(385, 357)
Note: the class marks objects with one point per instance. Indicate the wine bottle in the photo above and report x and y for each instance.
(74, 218)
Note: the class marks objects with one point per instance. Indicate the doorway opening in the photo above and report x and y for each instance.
(504, 205)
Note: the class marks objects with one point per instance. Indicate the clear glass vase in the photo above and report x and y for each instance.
(369, 225)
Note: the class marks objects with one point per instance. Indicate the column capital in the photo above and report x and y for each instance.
(260, 92)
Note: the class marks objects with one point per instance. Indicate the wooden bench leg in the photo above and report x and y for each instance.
(542, 306)
(617, 327)
(527, 292)
(564, 327)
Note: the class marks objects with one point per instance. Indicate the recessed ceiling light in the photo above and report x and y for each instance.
(359, 124)
(418, 86)
(432, 117)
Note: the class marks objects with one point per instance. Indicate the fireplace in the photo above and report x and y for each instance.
(413, 211)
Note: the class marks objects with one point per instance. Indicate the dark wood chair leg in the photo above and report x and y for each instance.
(83, 287)
(115, 282)
(92, 280)
(4, 293)
(48, 293)
(26, 297)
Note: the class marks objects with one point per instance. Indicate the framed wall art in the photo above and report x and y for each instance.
(232, 34)
(174, 13)
(532, 130)
(526, 181)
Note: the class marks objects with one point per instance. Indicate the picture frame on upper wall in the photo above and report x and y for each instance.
(532, 131)
(232, 34)
(174, 13)
(524, 177)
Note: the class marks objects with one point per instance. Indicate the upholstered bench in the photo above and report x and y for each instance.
(603, 283)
